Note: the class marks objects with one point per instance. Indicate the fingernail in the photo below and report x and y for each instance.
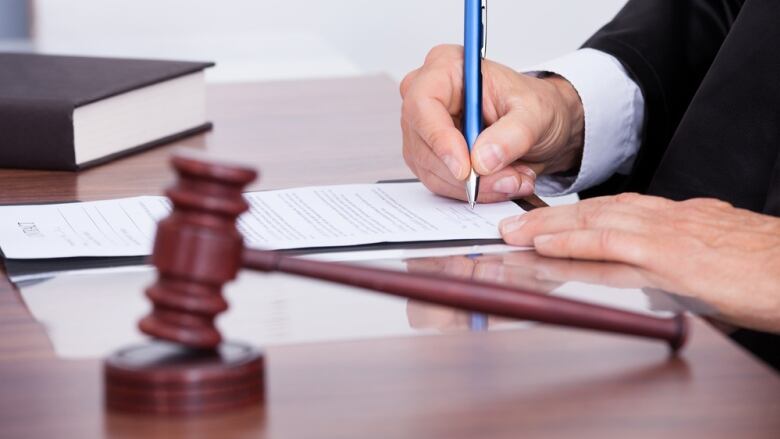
(490, 157)
(452, 164)
(527, 188)
(507, 185)
(541, 240)
(510, 225)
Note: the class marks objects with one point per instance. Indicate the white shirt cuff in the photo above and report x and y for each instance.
(614, 115)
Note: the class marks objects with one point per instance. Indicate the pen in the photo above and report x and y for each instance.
(473, 52)
(477, 321)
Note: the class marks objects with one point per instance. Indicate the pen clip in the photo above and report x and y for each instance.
(483, 50)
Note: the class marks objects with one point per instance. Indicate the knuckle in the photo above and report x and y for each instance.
(580, 213)
(443, 51)
(518, 103)
(627, 198)
(713, 203)
(521, 141)
(590, 218)
(611, 247)
(606, 240)
(405, 84)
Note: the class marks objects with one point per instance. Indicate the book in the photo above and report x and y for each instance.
(70, 112)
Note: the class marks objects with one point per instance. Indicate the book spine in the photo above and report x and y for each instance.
(36, 134)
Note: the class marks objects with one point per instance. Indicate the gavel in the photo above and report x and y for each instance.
(189, 369)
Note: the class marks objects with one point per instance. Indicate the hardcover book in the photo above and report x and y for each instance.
(69, 113)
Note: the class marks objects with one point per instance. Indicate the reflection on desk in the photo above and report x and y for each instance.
(277, 309)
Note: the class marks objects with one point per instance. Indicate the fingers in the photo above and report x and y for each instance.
(419, 156)
(431, 98)
(515, 276)
(597, 273)
(527, 119)
(624, 229)
(597, 245)
(629, 212)
(513, 182)
(500, 144)
(435, 149)
(429, 119)
(457, 190)
(453, 266)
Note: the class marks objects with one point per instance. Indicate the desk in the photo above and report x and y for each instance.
(543, 381)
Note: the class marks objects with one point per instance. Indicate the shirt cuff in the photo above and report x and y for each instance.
(614, 115)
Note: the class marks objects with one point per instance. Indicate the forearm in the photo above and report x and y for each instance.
(667, 47)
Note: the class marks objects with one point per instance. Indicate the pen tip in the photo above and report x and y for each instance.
(472, 188)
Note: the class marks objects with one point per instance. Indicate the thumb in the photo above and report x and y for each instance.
(500, 144)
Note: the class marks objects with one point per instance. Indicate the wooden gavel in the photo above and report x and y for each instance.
(198, 248)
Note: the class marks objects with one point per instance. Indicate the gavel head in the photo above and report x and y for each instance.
(197, 250)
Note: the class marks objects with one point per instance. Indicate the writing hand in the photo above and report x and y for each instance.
(534, 126)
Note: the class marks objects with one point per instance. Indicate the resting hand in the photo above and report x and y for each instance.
(534, 126)
(704, 248)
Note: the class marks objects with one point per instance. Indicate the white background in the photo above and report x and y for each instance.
(262, 39)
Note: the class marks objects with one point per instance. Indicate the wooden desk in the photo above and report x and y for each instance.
(539, 382)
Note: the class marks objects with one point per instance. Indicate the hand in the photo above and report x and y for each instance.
(534, 126)
(516, 269)
(704, 248)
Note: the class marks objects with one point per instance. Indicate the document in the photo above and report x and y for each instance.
(310, 217)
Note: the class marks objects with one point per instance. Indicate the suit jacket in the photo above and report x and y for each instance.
(710, 74)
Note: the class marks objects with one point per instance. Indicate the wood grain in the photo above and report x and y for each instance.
(539, 382)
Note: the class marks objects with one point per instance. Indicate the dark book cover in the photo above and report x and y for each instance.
(39, 93)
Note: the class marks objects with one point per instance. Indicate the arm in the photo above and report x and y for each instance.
(667, 46)
(536, 126)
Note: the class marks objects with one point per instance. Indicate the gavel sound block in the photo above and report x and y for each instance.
(197, 249)
(188, 369)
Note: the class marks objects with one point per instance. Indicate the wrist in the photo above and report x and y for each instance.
(571, 118)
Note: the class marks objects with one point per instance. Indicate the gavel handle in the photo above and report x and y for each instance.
(478, 296)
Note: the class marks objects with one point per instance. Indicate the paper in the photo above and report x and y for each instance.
(323, 216)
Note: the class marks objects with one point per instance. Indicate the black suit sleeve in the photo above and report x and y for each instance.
(667, 46)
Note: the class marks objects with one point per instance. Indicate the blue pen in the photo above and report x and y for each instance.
(477, 321)
(473, 53)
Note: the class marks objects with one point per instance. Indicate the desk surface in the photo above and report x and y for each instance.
(543, 381)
